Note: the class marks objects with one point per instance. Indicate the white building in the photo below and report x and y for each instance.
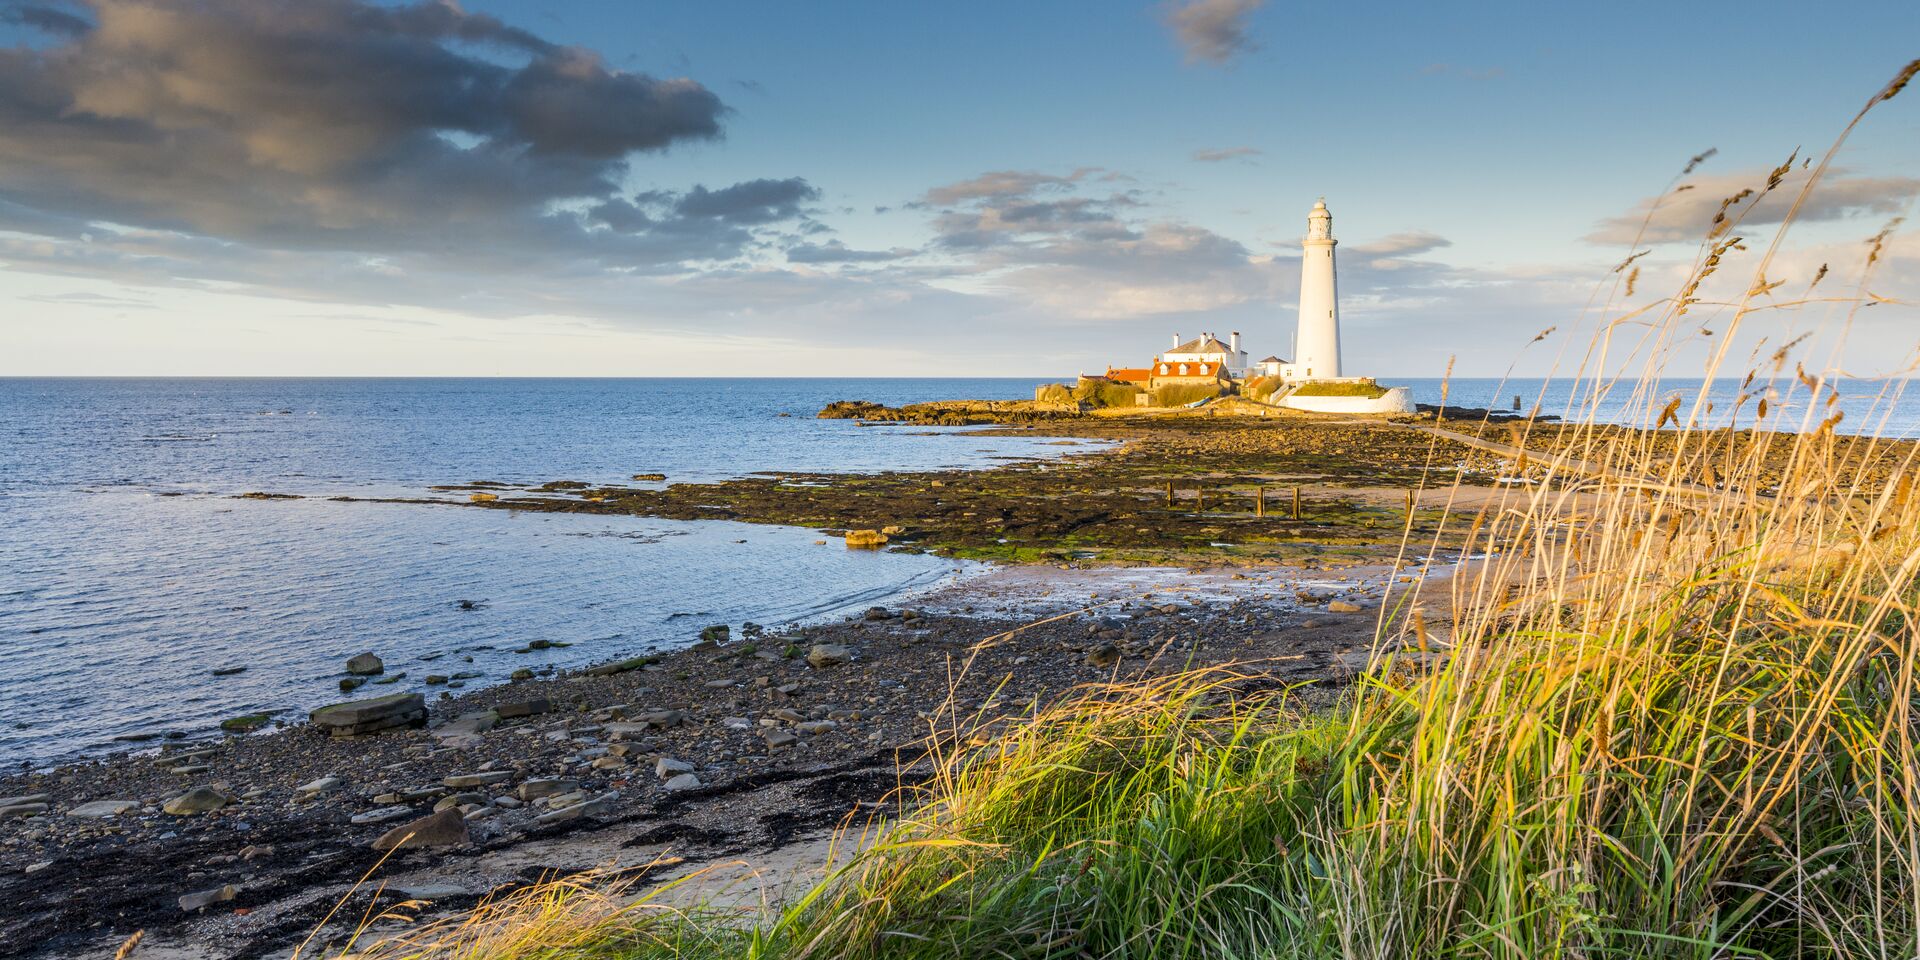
(1209, 349)
(1316, 340)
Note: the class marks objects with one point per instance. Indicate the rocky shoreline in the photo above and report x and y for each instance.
(725, 749)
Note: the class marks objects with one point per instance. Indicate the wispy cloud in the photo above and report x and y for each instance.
(1226, 153)
(1687, 214)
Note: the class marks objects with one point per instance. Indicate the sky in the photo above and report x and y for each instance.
(348, 188)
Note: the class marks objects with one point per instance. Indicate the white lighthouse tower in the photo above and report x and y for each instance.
(1316, 344)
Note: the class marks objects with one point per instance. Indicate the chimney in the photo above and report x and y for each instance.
(1236, 341)
(1176, 340)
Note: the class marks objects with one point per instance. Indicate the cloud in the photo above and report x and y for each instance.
(833, 251)
(1226, 153)
(1066, 244)
(1686, 215)
(328, 124)
(1393, 251)
(1214, 31)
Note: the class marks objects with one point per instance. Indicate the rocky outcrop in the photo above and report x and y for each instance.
(448, 828)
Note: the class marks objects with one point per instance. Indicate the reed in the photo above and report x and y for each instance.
(1669, 710)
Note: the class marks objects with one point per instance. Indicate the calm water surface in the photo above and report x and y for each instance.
(128, 571)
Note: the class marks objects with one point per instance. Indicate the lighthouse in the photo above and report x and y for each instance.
(1316, 343)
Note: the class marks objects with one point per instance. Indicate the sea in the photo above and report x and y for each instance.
(141, 597)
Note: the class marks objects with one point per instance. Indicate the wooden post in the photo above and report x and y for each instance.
(1259, 501)
(1409, 504)
(1296, 503)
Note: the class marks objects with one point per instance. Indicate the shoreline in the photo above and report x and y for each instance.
(82, 884)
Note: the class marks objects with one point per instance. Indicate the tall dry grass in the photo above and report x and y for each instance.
(1667, 709)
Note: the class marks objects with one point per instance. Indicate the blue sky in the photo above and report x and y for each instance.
(1473, 160)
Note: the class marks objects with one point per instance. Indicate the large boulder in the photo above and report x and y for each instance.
(828, 655)
(357, 717)
(448, 828)
(365, 665)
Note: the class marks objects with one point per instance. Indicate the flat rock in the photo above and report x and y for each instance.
(22, 810)
(468, 724)
(356, 717)
(685, 781)
(668, 767)
(196, 801)
(1342, 606)
(462, 780)
(444, 829)
(207, 898)
(523, 708)
(546, 787)
(381, 815)
(598, 806)
(103, 809)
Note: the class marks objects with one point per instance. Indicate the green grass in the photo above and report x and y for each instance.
(1340, 388)
(1174, 396)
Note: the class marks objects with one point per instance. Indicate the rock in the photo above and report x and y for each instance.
(649, 477)
(685, 781)
(314, 788)
(461, 780)
(523, 673)
(722, 683)
(228, 671)
(523, 708)
(482, 497)
(667, 767)
(534, 790)
(468, 724)
(357, 717)
(814, 728)
(876, 613)
(435, 679)
(459, 801)
(610, 763)
(207, 898)
(22, 810)
(828, 655)
(448, 828)
(1342, 606)
(103, 809)
(196, 801)
(619, 666)
(380, 815)
(776, 737)
(718, 633)
(866, 539)
(25, 798)
(350, 684)
(365, 665)
(1104, 655)
(245, 723)
(893, 530)
(598, 806)
(788, 714)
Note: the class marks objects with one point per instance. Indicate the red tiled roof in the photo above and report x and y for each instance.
(1129, 374)
(1189, 368)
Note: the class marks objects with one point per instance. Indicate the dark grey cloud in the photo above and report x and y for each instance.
(330, 125)
(1214, 31)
